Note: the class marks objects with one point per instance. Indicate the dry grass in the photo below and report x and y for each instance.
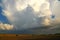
(28, 37)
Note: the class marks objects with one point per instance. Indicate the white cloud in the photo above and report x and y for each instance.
(6, 26)
(55, 7)
(29, 13)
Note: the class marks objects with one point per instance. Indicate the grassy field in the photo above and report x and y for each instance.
(28, 37)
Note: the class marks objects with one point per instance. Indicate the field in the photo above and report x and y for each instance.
(28, 37)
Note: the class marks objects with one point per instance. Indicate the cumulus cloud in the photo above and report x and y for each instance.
(6, 26)
(27, 13)
(31, 13)
(55, 23)
(55, 4)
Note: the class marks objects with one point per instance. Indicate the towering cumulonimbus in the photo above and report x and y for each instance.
(27, 13)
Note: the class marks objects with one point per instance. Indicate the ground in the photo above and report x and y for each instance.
(28, 37)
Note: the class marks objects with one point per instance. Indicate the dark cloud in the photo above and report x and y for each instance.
(58, 0)
(45, 30)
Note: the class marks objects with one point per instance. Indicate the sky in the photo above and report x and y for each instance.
(36, 16)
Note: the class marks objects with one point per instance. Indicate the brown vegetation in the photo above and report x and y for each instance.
(28, 37)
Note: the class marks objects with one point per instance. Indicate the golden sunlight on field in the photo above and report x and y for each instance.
(28, 37)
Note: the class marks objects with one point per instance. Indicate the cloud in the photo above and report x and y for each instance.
(24, 14)
(55, 4)
(6, 26)
(27, 13)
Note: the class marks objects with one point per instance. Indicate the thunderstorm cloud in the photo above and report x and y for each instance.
(25, 14)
